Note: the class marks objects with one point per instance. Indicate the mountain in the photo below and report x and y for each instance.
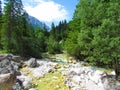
(36, 23)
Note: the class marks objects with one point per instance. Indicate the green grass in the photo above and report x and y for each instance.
(3, 52)
(107, 70)
(52, 81)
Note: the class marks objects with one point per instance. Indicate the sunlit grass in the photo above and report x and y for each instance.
(52, 81)
(3, 51)
(107, 70)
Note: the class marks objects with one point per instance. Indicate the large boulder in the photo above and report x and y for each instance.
(4, 63)
(32, 62)
(110, 83)
(7, 81)
(26, 81)
(16, 58)
(6, 67)
(89, 78)
(18, 85)
(8, 72)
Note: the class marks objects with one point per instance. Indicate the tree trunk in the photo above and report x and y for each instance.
(116, 68)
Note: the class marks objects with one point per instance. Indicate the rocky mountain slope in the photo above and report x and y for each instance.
(36, 23)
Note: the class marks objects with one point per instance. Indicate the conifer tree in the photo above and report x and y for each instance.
(52, 32)
(0, 22)
(98, 37)
(0, 7)
(11, 31)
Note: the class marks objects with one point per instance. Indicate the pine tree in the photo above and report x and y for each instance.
(11, 31)
(53, 31)
(0, 22)
(107, 36)
(0, 7)
(45, 30)
(98, 35)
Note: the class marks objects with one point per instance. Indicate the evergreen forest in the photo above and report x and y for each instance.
(93, 35)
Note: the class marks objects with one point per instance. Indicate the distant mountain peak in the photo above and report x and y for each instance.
(36, 23)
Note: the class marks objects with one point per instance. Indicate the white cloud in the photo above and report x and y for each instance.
(46, 10)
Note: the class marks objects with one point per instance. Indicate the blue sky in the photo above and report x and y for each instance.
(69, 5)
(50, 10)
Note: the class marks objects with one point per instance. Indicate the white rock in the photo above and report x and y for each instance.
(113, 73)
(90, 85)
(77, 79)
(32, 89)
(27, 81)
(76, 88)
(96, 77)
(27, 84)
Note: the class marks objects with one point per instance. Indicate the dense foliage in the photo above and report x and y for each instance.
(17, 35)
(0, 21)
(56, 37)
(95, 33)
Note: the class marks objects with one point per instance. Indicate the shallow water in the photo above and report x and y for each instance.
(60, 61)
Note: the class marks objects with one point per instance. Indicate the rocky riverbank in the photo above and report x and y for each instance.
(88, 78)
(9, 70)
(42, 74)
